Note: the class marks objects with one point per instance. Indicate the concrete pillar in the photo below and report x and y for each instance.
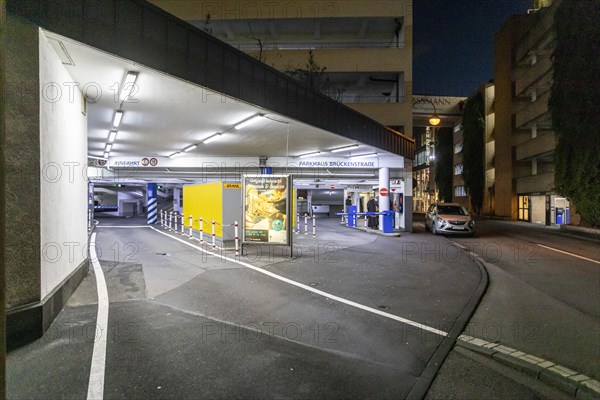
(176, 199)
(2, 215)
(384, 201)
(152, 204)
(43, 185)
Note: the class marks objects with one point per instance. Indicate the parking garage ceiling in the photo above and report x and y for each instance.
(166, 114)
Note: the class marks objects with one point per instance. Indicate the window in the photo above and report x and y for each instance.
(524, 208)
(459, 191)
(458, 169)
(458, 148)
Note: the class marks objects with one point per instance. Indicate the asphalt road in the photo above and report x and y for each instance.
(539, 300)
(183, 324)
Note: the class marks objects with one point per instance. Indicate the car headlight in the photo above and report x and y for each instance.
(471, 223)
(441, 221)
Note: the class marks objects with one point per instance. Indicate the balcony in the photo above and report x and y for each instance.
(540, 33)
(341, 60)
(350, 98)
(536, 111)
(538, 74)
(540, 145)
(535, 183)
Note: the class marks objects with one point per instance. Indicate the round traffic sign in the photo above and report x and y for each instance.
(383, 191)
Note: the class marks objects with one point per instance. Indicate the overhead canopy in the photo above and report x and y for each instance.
(183, 73)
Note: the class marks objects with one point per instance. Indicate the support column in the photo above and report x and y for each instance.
(2, 214)
(176, 199)
(152, 204)
(384, 201)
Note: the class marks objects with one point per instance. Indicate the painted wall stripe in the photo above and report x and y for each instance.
(316, 291)
(96, 382)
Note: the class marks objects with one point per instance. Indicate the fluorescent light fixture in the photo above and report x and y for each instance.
(314, 153)
(128, 85)
(190, 148)
(117, 118)
(248, 121)
(112, 136)
(108, 147)
(105, 155)
(174, 155)
(354, 146)
(364, 155)
(211, 138)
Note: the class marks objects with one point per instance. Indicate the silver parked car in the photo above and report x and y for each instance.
(449, 218)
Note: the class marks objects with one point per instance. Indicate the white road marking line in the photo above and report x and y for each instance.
(122, 226)
(96, 383)
(570, 254)
(319, 292)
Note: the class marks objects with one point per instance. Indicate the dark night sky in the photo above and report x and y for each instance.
(454, 43)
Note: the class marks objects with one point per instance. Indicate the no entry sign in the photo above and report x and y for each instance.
(383, 191)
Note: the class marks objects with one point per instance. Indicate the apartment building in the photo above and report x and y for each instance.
(361, 50)
(485, 95)
(524, 140)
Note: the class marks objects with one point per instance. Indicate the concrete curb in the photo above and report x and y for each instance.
(582, 230)
(424, 381)
(577, 385)
(571, 382)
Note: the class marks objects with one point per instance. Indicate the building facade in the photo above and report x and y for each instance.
(486, 93)
(525, 142)
(359, 52)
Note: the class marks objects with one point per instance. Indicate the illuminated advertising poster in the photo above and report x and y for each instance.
(266, 209)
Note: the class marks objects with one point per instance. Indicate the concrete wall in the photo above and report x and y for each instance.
(63, 155)
(22, 164)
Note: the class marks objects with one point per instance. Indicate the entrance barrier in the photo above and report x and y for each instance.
(388, 219)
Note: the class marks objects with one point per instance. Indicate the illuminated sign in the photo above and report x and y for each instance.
(267, 202)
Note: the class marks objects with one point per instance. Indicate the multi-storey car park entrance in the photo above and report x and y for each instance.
(131, 86)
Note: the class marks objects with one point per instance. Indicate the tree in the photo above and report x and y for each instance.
(473, 128)
(314, 75)
(444, 163)
(575, 106)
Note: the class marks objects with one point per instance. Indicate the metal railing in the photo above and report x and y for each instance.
(379, 44)
(370, 99)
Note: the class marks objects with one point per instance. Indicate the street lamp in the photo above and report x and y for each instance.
(434, 119)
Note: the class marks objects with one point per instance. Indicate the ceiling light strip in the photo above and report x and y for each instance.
(128, 85)
(117, 118)
(354, 146)
(364, 155)
(314, 153)
(248, 121)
